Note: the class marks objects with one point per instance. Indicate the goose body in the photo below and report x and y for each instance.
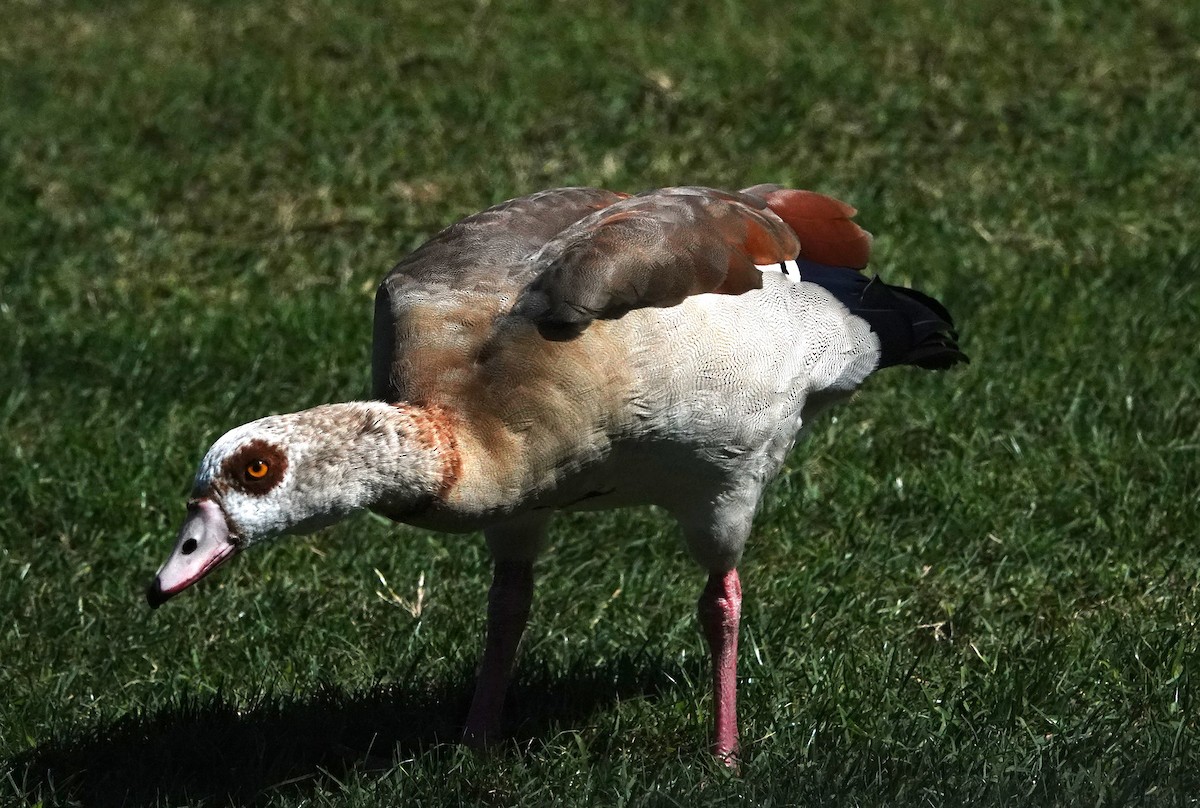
(581, 349)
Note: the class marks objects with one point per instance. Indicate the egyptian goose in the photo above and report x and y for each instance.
(580, 349)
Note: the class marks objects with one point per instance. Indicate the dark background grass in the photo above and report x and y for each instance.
(977, 586)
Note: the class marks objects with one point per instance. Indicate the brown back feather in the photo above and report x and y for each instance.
(438, 304)
(654, 249)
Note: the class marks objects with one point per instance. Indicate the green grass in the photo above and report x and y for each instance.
(977, 587)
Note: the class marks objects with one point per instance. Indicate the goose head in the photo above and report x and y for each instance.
(295, 473)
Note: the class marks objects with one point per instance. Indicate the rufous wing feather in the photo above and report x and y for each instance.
(828, 235)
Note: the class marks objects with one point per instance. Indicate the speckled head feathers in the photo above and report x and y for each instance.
(301, 471)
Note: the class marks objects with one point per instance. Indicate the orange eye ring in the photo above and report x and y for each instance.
(257, 469)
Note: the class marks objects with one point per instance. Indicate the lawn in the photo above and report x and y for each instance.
(973, 587)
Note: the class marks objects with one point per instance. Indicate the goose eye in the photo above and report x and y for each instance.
(256, 469)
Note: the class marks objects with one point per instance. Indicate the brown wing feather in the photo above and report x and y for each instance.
(827, 234)
(474, 248)
(654, 249)
(437, 305)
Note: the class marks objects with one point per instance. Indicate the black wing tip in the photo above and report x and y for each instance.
(913, 327)
(935, 357)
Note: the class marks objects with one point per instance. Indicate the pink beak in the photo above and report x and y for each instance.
(203, 545)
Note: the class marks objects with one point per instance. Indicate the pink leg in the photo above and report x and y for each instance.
(508, 609)
(720, 610)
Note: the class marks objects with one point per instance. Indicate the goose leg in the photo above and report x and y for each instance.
(508, 609)
(720, 610)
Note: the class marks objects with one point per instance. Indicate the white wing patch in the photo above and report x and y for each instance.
(789, 269)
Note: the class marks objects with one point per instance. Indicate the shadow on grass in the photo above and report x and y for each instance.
(216, 751)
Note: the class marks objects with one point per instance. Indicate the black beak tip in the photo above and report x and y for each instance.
(155, 596)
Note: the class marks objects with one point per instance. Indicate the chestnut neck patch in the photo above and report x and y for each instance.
(255, 468)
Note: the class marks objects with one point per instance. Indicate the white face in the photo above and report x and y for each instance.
(253, 473)
(281, 474)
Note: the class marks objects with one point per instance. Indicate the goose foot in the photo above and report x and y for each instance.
(508, 609)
